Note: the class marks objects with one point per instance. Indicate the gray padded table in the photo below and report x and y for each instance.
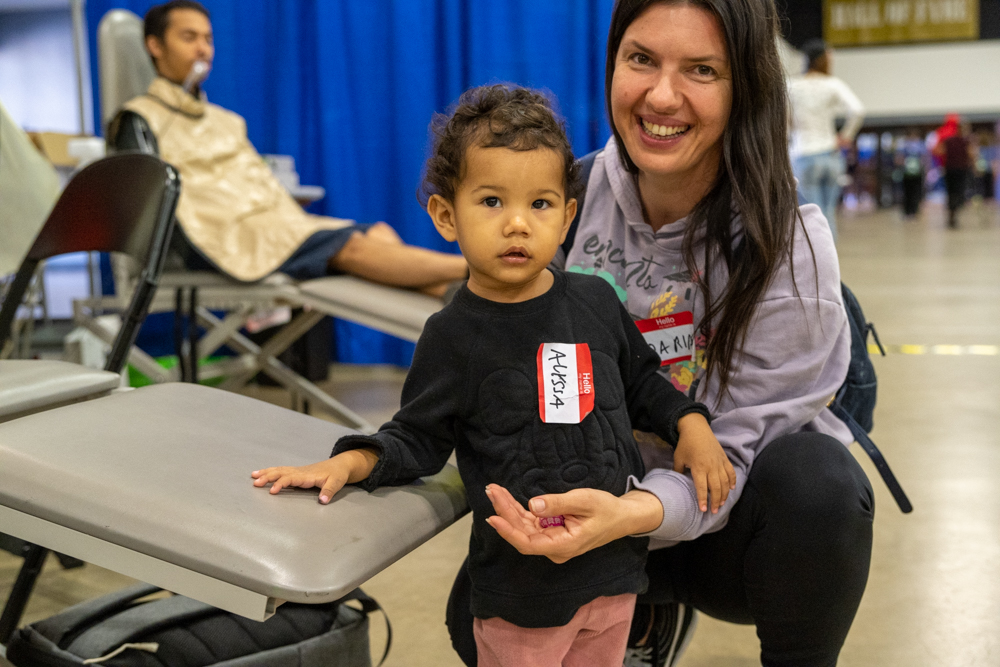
(30, 385)
(155, 483)
(399, 312)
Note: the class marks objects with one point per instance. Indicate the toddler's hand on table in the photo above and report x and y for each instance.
(329, 475)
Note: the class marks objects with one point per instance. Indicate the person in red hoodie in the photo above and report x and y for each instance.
(955, 152)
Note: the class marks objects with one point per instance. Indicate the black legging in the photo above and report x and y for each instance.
(793, 558)
(913, 192)
(956, 183)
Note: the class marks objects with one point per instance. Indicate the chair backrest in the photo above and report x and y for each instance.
(124, 67)
(123, 203)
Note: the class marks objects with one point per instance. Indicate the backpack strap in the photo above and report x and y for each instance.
(875, 455)
(368, 606)
(586, 166)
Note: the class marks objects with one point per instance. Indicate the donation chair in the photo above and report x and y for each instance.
(125, 204)
(125, 72)
(177, 508)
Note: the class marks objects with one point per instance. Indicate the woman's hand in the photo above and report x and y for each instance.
(330, 475)
(591, 519)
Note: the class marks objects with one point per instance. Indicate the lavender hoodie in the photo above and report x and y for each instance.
(796, 354)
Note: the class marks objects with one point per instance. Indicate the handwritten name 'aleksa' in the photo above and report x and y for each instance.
(557, 378)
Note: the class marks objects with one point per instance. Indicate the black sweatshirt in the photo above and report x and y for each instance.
(473, 388)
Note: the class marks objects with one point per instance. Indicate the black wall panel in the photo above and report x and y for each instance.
(989, 19)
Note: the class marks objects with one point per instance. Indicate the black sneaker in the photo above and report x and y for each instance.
(668, 635)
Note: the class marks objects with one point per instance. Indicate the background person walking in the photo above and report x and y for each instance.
(817, 98)
(957, 156)
(912, 157)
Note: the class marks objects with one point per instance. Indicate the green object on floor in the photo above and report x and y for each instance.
(138, 379)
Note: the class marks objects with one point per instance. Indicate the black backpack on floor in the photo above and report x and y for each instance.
(122, 630)
(854, 403)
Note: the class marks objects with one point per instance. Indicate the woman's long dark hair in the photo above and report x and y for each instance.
(755, 173)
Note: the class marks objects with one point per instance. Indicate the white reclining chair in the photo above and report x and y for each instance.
(126, 72)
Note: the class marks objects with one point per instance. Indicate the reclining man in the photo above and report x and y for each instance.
(233, 214)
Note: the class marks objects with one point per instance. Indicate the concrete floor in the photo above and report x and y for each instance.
(933, 597)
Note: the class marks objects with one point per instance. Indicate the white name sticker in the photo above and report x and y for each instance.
(670, 336)
(565, 382)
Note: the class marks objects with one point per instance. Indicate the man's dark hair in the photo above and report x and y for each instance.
(497, 116)
(158, 17)
(814, 49)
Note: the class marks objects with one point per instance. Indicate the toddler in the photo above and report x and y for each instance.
(535, 378)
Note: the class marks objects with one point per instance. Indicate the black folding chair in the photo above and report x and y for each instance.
(124, 203)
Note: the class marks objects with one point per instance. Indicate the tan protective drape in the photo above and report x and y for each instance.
(231, 207)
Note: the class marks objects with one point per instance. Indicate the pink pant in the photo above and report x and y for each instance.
(595, 637)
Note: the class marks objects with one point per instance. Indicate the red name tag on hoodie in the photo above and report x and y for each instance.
(670, 336)
(565, 382)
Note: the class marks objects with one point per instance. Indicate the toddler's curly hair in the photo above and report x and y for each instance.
(497, 116)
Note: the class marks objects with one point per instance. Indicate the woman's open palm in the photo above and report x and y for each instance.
(591, 518)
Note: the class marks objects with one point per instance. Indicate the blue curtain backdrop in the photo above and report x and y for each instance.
(348, 88)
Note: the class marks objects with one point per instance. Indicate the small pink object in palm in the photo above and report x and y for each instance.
(550, 521)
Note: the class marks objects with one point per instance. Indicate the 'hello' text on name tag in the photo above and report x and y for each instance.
(670, 336)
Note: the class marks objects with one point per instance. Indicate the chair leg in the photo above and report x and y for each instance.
(216, 335)
(278, 343)
(193, 334)
(179, 333)
(34, 558)
(292, 381)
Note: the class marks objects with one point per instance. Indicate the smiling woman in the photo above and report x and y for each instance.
(710, 66)
(670, 100)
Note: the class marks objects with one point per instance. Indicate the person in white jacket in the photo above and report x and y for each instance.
(817, 99)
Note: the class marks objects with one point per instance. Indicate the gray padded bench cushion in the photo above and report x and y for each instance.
(28, 385)
(399, 312)
(164, 472)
